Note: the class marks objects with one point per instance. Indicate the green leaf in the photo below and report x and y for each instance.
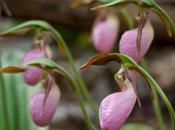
(37, 25)
(15, 96)
(116, 3)
(147, 3)
(127, 62)
(168, 21)
(25, 27)
(136, 127)
(106, 1)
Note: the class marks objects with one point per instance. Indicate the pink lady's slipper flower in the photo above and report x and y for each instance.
(105, 32)
(33, 74)
(42, 109)
(115, 108)
(128, 42)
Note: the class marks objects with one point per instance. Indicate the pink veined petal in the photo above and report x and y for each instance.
(42, 113)
(128, 42)
(32, 55)
(115, 108)
(104, 34)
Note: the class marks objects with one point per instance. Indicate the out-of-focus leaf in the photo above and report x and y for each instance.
(127, 62)
(3, 120)
(37, 25)
(136, 127)
(25, 27)
(106, 1)
(16, 96)
(148, 2)
(116, 3)
(168, 21)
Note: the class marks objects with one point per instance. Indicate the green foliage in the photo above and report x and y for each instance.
(14, 97)
(127, 62)
(136, 127)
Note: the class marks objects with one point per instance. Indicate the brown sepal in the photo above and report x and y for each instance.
(12, 69)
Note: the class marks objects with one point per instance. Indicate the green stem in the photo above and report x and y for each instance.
(35, 24)
(166, 18)
(157, 110)
(127, 19)
(161, 93)
(75, 71)
(79, 97)
(155, 101)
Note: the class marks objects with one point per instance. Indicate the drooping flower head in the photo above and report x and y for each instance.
(43, 105)
(33, 74)
(128, 42)
(105, 32)
(116, 107)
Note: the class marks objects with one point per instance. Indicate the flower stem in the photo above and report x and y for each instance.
(127, 18)
(79, 97)
(78, 79)
(162, 95)
(165, 18)
(155, 101)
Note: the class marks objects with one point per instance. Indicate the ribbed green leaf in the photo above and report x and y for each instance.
(136, 127)
(2, 108)
(15, 96)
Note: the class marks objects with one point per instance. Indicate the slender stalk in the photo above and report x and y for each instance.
(75, 71)
(127, 18)
(155, 101)
(79, 97)
(162, 95)
(157, 110)
(165, 17)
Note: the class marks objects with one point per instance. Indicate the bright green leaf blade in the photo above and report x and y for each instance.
(116, 3)
(25, 27)
(169, 23)
(2, 108)
(17, 95)
(136, 127)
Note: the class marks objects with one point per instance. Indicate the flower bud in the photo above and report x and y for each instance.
(42, 110)
(128, 42)
(33, 74)
(105, 32)
(115, 108)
